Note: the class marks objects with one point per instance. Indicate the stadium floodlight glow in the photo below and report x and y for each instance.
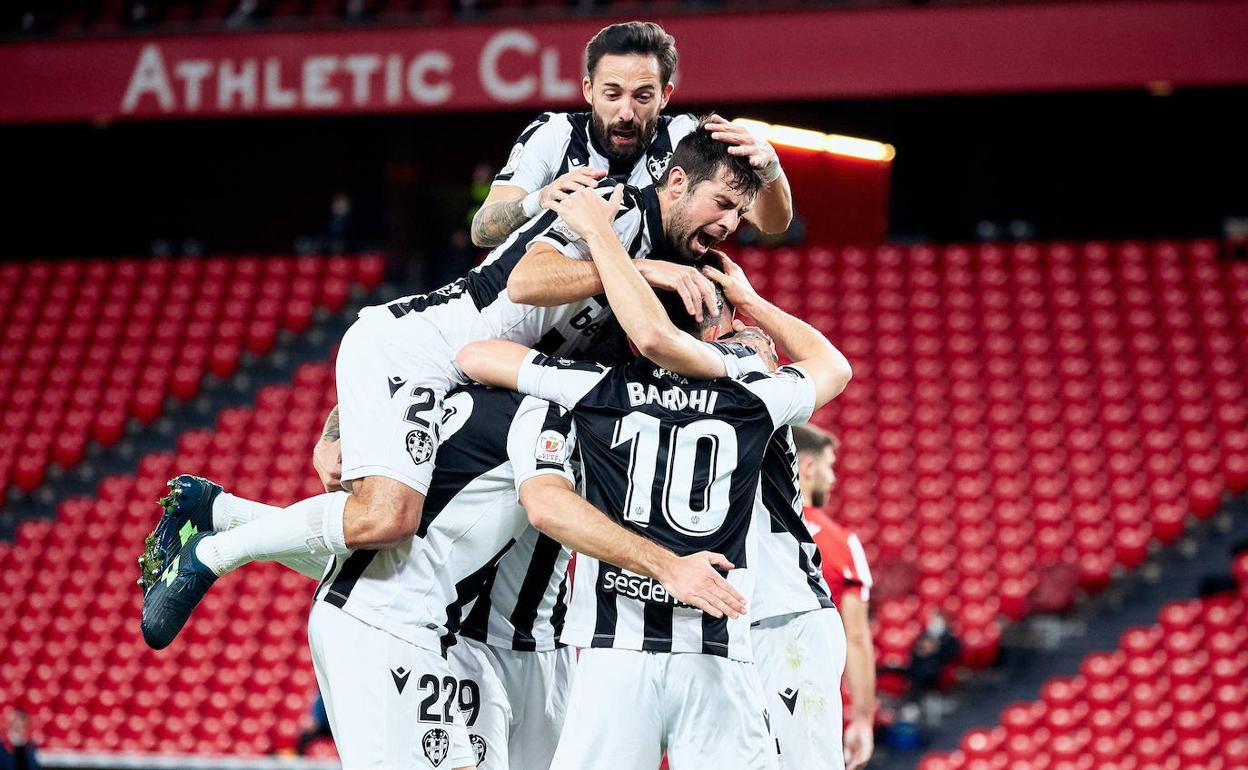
(835, 144)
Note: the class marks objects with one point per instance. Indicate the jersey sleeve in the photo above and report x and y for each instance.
(559, 380)
(681, 126)
(789, 394)
(540, 441)
(859, 574)
(738, 359)
(627, 226)
(536, 155)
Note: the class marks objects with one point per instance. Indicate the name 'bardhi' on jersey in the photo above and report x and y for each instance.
(677, 461)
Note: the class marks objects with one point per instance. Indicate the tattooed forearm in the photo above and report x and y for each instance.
(331, 431)
(494, 222)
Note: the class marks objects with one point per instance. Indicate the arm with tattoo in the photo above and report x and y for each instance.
(327, 454)
(495, 221)
(331, 431)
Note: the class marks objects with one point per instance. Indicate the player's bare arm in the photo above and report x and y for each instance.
(327, 454)
(773, 209)
(500, 214)
(860, 672)
(509, 206)
(632, 300)
(493, 362)
(555, 509)
(380, 513)
(800, 341)
(545, 277)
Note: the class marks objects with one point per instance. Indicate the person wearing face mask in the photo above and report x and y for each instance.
(628, 82)
(19, 754)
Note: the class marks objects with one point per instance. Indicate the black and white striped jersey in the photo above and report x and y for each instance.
(521, 603)
(677, 461)
(790, 576)
(558, 142)
(493, 440)
(477, 306)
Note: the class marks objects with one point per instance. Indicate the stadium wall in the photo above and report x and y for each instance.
(771, 56)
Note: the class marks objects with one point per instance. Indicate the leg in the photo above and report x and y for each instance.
(538, 685)
(800, 659)
(613, 712)
(390, 703)
(230, 511)
(736, 734)
(483, 701)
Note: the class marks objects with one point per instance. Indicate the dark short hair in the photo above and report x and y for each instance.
(644, 38)
(702, 157)
(674, 304)
(810, 440)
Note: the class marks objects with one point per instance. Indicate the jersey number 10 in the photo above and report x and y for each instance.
(694, 488)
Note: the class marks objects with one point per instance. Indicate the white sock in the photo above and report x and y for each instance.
(311, 527)
(229, 511)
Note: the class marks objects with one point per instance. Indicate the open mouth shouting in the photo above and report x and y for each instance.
(624, 134)
(705, 239)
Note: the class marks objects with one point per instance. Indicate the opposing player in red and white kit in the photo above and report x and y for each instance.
(847, 574)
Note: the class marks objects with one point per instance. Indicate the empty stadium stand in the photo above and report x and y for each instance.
(1173, 694)
(92, 344)
(1016, 411)
(240, 681)
(1024, 419)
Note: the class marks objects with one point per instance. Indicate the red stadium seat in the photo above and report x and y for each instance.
(1169, 697)
(81, 381)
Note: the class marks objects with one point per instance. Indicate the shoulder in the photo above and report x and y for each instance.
(678, 126)
(547, 127)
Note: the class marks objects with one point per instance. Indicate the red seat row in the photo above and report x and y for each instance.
(1025, 420)
(1173, 695)
(239, 679)
(89, 345)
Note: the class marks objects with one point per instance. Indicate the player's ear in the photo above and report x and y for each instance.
(677, 180)
(667, 94)
(587, 90)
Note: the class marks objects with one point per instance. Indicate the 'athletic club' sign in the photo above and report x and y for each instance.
(724, 58)
(349, 81)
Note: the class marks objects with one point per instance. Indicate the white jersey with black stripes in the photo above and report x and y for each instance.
(492, 441)
(676, 461)
(558, 142)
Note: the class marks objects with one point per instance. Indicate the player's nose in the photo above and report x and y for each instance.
(627, 111)
(729, 220)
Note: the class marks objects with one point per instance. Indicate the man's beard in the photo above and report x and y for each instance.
(644, 134)
(680, 232)
(818, 499)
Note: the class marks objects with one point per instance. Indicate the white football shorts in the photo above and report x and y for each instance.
(391, 704)
(800, 660)
(628, 707)
(392, 376)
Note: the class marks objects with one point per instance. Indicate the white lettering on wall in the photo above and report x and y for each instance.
(492, 80)
(192, 72)
(237, 83)
(149, 77)
(318, 92)
(419, 86)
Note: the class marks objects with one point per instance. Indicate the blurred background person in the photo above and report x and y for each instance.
(849, 577)
(17, 752)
